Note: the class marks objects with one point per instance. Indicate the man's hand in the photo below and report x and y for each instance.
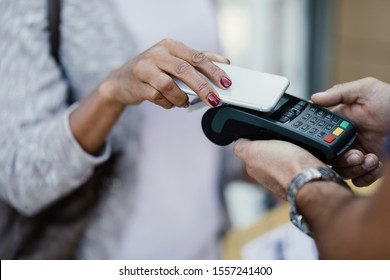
(274, 163)
(366, 103)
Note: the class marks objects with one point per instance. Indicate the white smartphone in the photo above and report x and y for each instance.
(250, 89)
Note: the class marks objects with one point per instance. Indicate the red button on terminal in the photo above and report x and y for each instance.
(329, 139)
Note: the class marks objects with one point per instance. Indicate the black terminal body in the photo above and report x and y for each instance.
(316, 129)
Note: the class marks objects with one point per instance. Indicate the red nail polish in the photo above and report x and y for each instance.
(226, 82)
(213, 99)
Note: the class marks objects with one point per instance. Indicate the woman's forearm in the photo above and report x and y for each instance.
(93, 119)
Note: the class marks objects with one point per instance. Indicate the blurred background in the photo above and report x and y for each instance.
(315, 43)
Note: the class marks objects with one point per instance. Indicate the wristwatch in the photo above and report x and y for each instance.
(305, 176)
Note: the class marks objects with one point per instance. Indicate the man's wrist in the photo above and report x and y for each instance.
(304, 177)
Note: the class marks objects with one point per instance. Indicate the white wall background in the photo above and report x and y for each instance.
(267, 35)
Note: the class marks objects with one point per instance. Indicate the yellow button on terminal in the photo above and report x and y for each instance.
(338, 131)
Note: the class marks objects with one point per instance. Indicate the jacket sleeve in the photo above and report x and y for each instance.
(41, 162)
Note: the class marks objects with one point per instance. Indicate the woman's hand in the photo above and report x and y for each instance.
(148, 76)
(366, 103)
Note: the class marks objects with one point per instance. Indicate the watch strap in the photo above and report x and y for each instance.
(305, 176)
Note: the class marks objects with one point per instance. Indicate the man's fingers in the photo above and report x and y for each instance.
(346, 93)
(369, 177)
(352, 157)
(369, 169)
(240, 148)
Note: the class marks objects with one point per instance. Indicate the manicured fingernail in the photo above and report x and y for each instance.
(213, 99)
(354, 159)
(226, 82)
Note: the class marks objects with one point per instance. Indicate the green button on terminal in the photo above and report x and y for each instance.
(344, 124)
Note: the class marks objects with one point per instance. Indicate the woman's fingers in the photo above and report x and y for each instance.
(158, 65)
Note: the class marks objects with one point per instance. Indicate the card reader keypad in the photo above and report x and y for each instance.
(293, 112)
(315, 122)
